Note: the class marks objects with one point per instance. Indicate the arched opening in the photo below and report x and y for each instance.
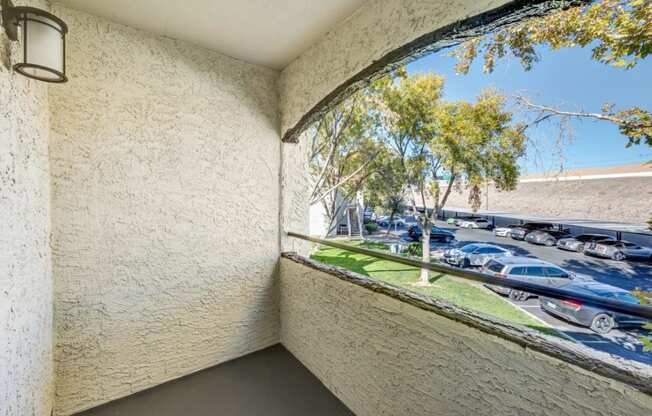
(468, 176)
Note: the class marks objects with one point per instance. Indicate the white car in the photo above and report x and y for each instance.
(504, 231)
(474, 254)
(479, 223)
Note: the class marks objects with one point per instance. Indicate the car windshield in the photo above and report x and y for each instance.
(469, 248)
(495, 267)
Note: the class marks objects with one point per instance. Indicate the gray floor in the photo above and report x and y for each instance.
(269, 382)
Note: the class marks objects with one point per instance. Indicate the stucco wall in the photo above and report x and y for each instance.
(295, 191)
(25, 260)
(616, 199)
(381, 356)
(374, 30)
(165, 163)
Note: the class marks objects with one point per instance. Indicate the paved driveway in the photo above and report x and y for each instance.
(628, 275)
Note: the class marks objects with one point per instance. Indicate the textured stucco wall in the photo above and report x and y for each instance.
(165, 163)
(296, 186)
(375, 29)
(25, 262)
(381, 356)
(615, 199)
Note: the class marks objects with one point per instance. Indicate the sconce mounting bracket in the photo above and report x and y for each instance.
(8, 20)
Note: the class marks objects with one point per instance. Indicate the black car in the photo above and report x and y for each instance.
(598, 319)
(522, 230)
(437, 234)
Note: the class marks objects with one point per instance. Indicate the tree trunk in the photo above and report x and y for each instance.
(360, 210)
(391, 218)
(425, 248)
(348, 221)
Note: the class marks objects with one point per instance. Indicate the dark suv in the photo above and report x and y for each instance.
(438, 234)
(522, 230)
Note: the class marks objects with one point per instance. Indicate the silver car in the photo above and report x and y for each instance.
(530, 270)
(479, 223)
(504, 231)
(546, 237)
(618, 250)
(579, 242)
(474, 254)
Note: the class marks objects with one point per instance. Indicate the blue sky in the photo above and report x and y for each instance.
(567, 78)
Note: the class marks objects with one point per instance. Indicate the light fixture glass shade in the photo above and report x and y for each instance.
(43, 38)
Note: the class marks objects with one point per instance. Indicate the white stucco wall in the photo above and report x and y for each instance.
(375, 29)
(26, 384)
(165, 210)
(296, 186)
(381, 356)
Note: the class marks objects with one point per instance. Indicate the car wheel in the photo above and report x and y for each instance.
(549, 243)
(580, 248)
(618, 256)
(466, 263)
(517, 295)
(602, 323)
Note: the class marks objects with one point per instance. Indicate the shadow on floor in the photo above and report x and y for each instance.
(269, 382)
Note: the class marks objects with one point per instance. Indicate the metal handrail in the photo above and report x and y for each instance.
(535, 289)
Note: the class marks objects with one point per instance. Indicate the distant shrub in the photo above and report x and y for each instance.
(415, 249)
(371, 227)
(646, 299)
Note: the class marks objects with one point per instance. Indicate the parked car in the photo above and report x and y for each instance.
(475, 254)
(410, 220)
(618, 250)
(505, 231)
(438, 234)
(477, 223)
(528, 269)
(546, 237)
(451, 221)
(519, 232)
(598, 319)
(383, 221)
(461, 220)
(579, 242)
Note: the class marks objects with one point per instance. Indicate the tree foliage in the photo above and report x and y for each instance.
(341, 157)
(619, 33)
(645, 298)
(433, 141)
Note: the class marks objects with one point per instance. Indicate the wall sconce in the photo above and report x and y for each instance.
(44, 41)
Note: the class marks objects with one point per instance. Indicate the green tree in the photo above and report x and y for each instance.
(619, 33)
(386, 187)
(341, 156)
(645, 298)
(438, 142)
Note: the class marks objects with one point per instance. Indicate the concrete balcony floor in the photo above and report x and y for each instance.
(268, 382)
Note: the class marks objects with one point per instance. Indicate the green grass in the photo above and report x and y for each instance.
(443, 287)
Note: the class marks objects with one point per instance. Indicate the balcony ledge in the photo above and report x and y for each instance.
(632, 373)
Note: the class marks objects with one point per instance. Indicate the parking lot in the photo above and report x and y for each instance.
(627, 275)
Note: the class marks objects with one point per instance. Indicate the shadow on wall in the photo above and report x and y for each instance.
(5, 51)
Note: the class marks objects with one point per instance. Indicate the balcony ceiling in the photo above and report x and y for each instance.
(264, 32)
